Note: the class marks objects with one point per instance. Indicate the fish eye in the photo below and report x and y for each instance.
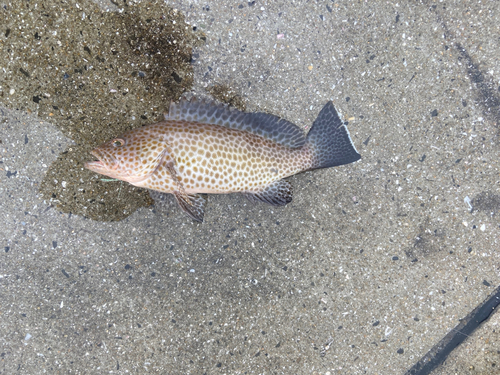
(118, 142)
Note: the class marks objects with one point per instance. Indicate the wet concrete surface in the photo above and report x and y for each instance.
(94, 75)
(365, 272)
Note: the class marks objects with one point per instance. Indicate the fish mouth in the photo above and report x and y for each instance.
(94, 165)
(100, 165)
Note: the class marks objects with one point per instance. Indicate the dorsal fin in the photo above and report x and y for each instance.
(268, 126)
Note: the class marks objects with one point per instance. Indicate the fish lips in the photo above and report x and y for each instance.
(103, 165)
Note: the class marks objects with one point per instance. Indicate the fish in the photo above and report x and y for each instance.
(204, 147)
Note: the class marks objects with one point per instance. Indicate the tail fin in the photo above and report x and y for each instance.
(329, 140)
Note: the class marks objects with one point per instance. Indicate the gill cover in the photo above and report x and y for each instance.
(132, 157)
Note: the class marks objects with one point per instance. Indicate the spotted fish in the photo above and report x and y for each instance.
(203, 147)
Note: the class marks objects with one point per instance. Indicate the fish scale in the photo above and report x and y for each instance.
(207, 148)
(214, 160)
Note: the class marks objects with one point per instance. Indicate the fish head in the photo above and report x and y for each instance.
(132, 157)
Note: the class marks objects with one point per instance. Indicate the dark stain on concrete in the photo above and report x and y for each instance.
(95, 75)
(225, 94)
(487, 95)
(487, 202)
(485, 89)
(428, 241)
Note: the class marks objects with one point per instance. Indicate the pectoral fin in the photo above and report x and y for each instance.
(192, 205)
(278, 193)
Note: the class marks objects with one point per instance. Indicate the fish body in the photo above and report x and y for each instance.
(205, 148)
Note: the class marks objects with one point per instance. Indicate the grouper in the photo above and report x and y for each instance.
(208, 148)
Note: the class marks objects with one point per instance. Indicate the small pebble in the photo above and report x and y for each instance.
(468, 201)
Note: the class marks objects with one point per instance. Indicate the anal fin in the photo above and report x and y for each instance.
(192, 205)
(278, 193)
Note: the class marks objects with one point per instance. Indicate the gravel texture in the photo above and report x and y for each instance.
(369, 267)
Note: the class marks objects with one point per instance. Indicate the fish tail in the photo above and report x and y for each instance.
(329, 141)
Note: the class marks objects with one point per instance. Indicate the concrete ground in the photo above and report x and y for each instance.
(365, 272)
